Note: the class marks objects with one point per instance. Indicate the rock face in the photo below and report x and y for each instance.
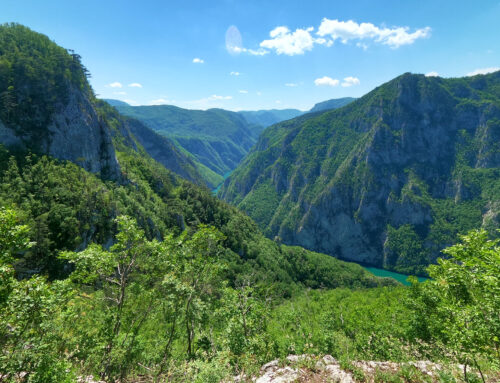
(78, 135)
(308, 368)
(389, 179)
(48, 107)
(75, 133)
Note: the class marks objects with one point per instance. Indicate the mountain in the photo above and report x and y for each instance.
(265, 118)
(113, 102)
(334, 103)
(114, 268)
(71, 164)
(48, 107)
(160, 148)
(216, 139)
(387, 180)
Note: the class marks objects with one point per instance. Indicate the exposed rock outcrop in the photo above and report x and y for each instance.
(75, 133)
(409, 153)
(312, 369)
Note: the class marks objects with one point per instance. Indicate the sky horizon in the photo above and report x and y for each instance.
(241, 55)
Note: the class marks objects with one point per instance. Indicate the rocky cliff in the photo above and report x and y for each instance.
(389, 179)
(48, 107)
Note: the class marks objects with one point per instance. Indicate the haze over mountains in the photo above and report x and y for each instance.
(216, 139)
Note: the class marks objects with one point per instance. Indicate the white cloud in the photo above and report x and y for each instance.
(135, 85)
(432, 74)
(328, 81)
(278, 101)
(361, 45)
(291, 84)
(283, 41)
(253, 52)
(483, 71)
(161, 101)
(197, 60)
(243, 91)
(350, 30)
(258, 93)
(115, 84)
(350, 81)
(214, 97)
(120, 93)
(234, 73)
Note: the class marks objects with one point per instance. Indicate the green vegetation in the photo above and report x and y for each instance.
(261, 119)
(163, 310)
(35, 76)
(215, 139)
(148, 277)
(334, 103)
(404, 169)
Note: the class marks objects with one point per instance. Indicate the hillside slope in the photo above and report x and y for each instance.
(216, 139)
(334, 103)
(388, 180)
(48, 107)
(69, 205)
(264, 118)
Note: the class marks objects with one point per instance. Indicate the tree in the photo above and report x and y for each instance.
(200, 275)
(460, 305)
(28, 308)
(113, 274)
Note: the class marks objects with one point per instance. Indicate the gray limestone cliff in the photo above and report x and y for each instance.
(388, 180)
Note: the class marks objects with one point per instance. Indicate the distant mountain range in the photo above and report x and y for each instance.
(331, 104)
(216, 140)
(265, 118)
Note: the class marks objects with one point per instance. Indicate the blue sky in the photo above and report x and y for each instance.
(262, 54)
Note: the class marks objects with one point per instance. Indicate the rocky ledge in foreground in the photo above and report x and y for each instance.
(306, 368)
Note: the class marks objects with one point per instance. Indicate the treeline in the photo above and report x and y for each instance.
(36, 75)
(162, 311)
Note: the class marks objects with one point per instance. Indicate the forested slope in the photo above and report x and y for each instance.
(389, 179)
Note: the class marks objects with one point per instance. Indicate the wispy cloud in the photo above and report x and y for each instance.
(291, 84)
(234, 73)
(254, 52)
(115, 84)
(243, 91)
(135, 85)
(213, 101)
(483, 71)
(197, 60)
(346, 31)
(214, 97)
(326, 81)
(432, 74)
(161, 101)
(350, 81)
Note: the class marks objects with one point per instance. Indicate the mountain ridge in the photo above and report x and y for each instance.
(359, 181)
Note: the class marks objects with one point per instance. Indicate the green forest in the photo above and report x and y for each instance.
(147, 277)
